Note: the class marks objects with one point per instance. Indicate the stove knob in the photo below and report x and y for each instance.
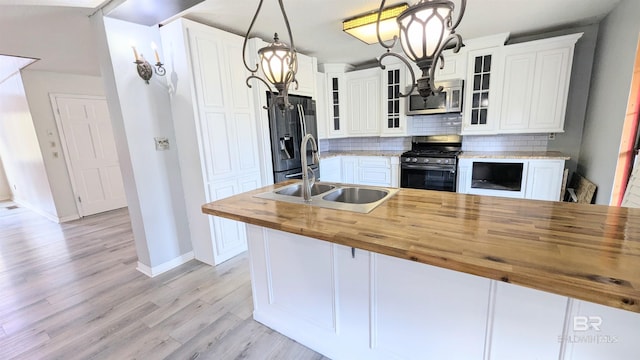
(426, 160)
(414, 160)
(439, 161)
(446, 161)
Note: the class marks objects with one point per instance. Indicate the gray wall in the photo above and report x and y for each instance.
(608, 96)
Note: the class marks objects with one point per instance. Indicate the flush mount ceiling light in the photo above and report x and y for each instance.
(363, 27)
(278, 62)
(426, 30)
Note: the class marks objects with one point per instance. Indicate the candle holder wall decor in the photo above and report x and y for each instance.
(145, 70)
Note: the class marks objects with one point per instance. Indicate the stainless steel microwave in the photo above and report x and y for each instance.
(449, 100)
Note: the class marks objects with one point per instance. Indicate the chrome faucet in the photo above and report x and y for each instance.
(306, 185)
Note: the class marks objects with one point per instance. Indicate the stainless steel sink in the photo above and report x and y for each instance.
(354, 195)
(296, 189)
(356, 198)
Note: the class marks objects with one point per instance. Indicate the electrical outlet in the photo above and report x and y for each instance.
(552, 136)
(162, 143)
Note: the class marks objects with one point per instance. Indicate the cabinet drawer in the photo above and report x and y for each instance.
(374, 176)
(374, 162)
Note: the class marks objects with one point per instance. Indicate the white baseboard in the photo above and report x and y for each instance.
(157, 270)
(69, 218)
(36, 210)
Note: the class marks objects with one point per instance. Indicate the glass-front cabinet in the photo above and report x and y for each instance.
(481, 109)
(394, 118)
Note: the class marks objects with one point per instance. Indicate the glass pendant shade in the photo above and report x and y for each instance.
(423, 28)
(278, 64)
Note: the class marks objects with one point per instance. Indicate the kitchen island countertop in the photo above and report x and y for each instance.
(588, 252)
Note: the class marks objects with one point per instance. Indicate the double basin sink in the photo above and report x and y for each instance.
(356, 198)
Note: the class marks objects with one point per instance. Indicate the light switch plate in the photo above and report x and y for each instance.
(162, 143)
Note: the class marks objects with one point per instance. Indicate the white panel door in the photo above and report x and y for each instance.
(90, 153)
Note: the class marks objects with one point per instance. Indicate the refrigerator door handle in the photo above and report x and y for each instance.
(293, 175)
(303, 121)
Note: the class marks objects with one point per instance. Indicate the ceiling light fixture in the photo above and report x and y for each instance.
(426, 30)
(363, 27)
(278, 62)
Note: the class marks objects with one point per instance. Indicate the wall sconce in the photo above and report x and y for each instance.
(278, 61)
(144, 68)
(426, 30)
(364, 27)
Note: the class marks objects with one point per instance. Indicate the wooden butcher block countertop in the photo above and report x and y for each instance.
(588, 252)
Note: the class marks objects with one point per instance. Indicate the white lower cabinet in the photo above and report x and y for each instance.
(331, 169)
(362, 170)
(538, 317)
(600, 332)
(354, 304)
(537, 179)
(544, 179)
(420, 311)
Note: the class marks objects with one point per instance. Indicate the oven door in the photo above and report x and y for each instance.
(427, 177)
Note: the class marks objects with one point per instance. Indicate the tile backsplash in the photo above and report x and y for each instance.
(442, 124)
(511, 142)
(439, 125)
(366, 143)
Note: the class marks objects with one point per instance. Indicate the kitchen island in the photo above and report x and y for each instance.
(443, 275)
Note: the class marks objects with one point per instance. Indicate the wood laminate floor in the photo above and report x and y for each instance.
(72, 291)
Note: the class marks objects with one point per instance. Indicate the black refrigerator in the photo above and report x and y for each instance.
(287, 130)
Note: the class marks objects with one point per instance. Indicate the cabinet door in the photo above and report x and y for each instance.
(601, 332)
(349, 169)
(517, 88)
(544, 179)
(550, 89)
(526, 323)
(374, 171)
(420, 311)
(322, 106)
(464, 176)
(455, 66)
(482, 99)
(337, 102)
(394, 118)
(363, 96)
(306, 76)
(331, 169)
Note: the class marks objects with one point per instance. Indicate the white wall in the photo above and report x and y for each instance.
(139, 113)
(5, 189)
(608, 96)
(20, 151)
(38, 85)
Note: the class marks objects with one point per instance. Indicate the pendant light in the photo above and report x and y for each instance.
(278, 62)
(426, 30)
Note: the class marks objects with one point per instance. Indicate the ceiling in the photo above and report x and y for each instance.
(58, 32)
(317, 25)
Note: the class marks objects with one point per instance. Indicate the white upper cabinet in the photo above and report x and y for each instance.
(536, 85)
(454, 67)
(363, 97)
(306, 76)
(336, 101)
(481, 113)
(394, 118)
